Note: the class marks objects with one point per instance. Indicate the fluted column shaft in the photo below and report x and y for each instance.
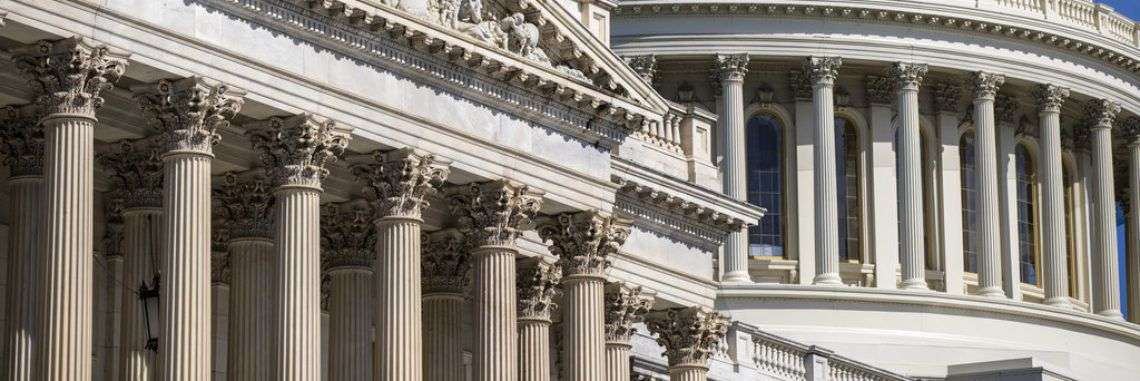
(732, 71)
(1056, 274)
(443, 336)
(25, 200)
(219, 330)
(251, 309)
(496, 341)
(534, 350)
(298, 274)
(66, 299)
(1106, 286)
(911, 234)
(985, 151)
(617, 361)
(350, 324)
(688, 373)
(399, 341)
(824, 71)
(142, 237)
(583, 324)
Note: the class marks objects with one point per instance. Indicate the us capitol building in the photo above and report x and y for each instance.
(582, 190)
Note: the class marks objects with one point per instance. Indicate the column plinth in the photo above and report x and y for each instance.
(625, 306)
(21, 140)
(537, 288)
(731, 72)
(823, 71)
(985, 151)
(445, 277)
(911, 234)
(690, 336)
(1056, 274)
(1106, 296)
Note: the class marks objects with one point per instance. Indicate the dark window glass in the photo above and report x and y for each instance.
(969, 203)
(847, 175)
(1026, 215)
(765, 180)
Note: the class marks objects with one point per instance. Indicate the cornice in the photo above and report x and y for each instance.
(627, 174)
(986, 21)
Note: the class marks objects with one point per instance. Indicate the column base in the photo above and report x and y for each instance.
(829, 279)
(1111, 314)
(737, 277)
(1062, 302)
(915, 285)
(995, 292)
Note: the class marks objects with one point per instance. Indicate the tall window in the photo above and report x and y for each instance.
(765, 181)
(1026, 215)
(847, 174)
(1070, 228)
(969, 203)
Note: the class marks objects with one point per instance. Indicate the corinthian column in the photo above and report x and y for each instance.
(690, 336)
(400, 180)
(823, 71)
(243, 203)
(67, 77)
(1106, 287)
(348, 241)
(985, 150)
(492, 215)
(136, 174)
(732, 69)
(912, 237)
(295, 151)
(1049, 100)
(537, 287)
(583, 241)
(21, 140)
(188, 112)
(625, 305)
(445, 274)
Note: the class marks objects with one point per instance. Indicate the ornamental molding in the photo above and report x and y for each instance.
(22, 140)
(675, 205)
(400, 181)
(495, 75)
(955, 22)
(538, 288)
(348, 235)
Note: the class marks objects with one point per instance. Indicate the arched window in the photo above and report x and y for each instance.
(1026, 215)
(765, 180)
(847, 175)
(969, 202)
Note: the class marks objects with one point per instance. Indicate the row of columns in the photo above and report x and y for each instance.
(822, 72)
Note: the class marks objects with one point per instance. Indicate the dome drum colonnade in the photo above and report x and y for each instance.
(1100, 119)
(271, 224)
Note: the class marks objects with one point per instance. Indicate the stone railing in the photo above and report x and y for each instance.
(783, 359)
(666, 133)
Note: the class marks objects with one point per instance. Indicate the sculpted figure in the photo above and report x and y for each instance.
(523, 37)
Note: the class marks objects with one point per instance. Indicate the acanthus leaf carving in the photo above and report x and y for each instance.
(947, 96)
(69, 75)
(986, 84)
(22, 140)
(189, 111)
(626, 305)
(908, 75)
(244, 203)
(296, 149)
(690, 335)
(583, 241)
(1102, 112)
(348, 236)
(136, 170)
(445, 265)
(401, 180)
(1050, 97)
(537, 287)
(880, 90)
(494, 213)
(823, 70)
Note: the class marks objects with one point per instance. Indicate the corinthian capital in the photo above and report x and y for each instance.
(1050, 97)
(909, 75)
(494, 213)
(296, 149)
(583, 241)
(68, 75)
(1007, 109)
(244, 203)
(1102, 112)
(690, 335)
(732, 67)
(625, 305)
(401, 180)
(1130, 131)
(136, 171)
(445, 263)
(823, 70)
(947, 96)
(645, 66)
(986, 85)
(189, 111)
(880, 90)
(537, 287)
(348, 236)
(22, 140)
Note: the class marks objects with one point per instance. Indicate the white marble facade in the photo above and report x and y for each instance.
(566, 190)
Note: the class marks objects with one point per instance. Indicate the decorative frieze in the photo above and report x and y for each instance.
(22, 140)
(69, 75)
(348, 237)
(583, 241)
(537, 288)
(690, 335)
(626, 305)
(135, 169)
(244, 203)
(446, 264)
(401, 180)
(494, 213)
(189, 111)
(297, 148)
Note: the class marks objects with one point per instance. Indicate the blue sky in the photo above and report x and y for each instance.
(1130, 8)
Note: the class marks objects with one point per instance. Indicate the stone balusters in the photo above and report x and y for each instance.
(731, 71)
(911, 235)
(493, 215)
(243, 202)
(625, 306)
(68, 77)
(985, 150)
(22, 143)
(537, 290)
(295, 151)
(445, 270)
(348, 243)
(1106, 285)
(188, 112)
(1055, 253)
(582, 241)
(135, 170)
(400, 181)
(690, 336)
(823, 72)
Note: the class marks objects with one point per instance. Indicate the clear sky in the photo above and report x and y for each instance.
(1130, 8)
